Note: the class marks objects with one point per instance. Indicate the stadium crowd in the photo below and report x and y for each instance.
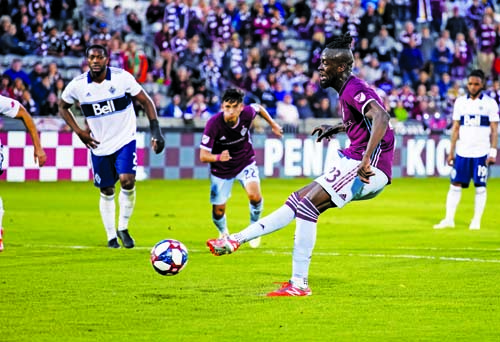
(185, 53)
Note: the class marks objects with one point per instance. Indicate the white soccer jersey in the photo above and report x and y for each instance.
(107, 106)
(9, 107)
(474, 117)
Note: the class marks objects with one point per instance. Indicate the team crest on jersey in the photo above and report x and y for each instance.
(88, 94)
(205, 139)
(361, 97)
(112, 90)
(244, 131)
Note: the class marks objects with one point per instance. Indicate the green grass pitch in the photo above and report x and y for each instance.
(379, 271)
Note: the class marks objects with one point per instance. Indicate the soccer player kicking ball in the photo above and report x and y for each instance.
(226, 144)
(12, 108)
(105, 96)
(360, 171)
(474, 138)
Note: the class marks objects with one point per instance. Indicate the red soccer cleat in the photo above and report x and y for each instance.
(289, 290)
(222, 246)
(1, 239)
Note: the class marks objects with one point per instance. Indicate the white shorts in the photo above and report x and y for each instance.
(343, 185)
(220, 189)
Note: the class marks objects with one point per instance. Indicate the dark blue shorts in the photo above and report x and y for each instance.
(465, 169)
(108, 168)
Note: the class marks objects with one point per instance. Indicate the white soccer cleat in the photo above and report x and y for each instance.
(444, 224)
(475, 225)
(254, 243)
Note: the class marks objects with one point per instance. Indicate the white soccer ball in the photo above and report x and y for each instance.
(169, 257)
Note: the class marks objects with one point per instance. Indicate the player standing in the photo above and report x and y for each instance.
(105, 97)
(12, 108)
(227, 146)
(474, 138)
(360, 172)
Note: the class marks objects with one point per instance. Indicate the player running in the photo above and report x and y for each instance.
(13, 109)
(360, 172)
(474, 138)
(227, 146)
(105, 97)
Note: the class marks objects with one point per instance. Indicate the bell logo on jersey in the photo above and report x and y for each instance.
(107, 107)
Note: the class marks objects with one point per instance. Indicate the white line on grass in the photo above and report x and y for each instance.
(359, 255)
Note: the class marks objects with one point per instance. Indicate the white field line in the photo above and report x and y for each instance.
(331, 254)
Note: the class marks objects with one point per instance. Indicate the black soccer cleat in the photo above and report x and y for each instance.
(113, 243)
(127, 240)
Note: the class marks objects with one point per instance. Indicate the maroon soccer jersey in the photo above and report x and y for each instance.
(353, 97)
(218, 136)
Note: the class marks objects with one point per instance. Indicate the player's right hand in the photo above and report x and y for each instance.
(87, 139)
(324, 132)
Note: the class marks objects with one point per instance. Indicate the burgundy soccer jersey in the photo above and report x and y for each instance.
(218, 137)
(353, 97)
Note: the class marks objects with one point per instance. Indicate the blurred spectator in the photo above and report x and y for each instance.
(462, 57)
(261, 23)
(438, 8)
(73, 42)
(410, 62)
(372, 71)
(474, 15)
(28, 102)
(5, 86)
(324, 110)
(266, 97)
(94, 13)
(41, 90)
(456, 24)
(50, 107)
(196, 108)
(136, 62)
(53, 72)
(119, 23)
(441, 59)
(102, 36)
(173, 109)
(243, 22)
(16, 71)
(487, 38)
(385, 50)
(408, 34)
(55, 45)
(304, 108)
(444, 84)
(154, 12)
(385, 83)
(423, 78)
(134, 23)
(9, 43)
(385, 10)
(428, 44)
(288, 113)
(370, 23)
(116, 54)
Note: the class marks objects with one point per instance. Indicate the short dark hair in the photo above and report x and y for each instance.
(478, 73)
(96, 46)
(342, 42)
(233, 95)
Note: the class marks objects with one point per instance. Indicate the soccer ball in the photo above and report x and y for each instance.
(169, 257)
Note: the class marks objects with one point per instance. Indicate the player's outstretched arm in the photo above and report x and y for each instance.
(84, 135)
(39, 154)
(327, 131)
(157, 140)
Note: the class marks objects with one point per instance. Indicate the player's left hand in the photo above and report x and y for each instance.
(365, 171)
(40, 157)
(157, 143)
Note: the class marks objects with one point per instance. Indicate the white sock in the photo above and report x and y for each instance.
(452, 200)
(305, 239)
(256, 211)
(107, 208)
(221, 224)
(1, 212)
(266, 225)
(479, 203)
(126, 199)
